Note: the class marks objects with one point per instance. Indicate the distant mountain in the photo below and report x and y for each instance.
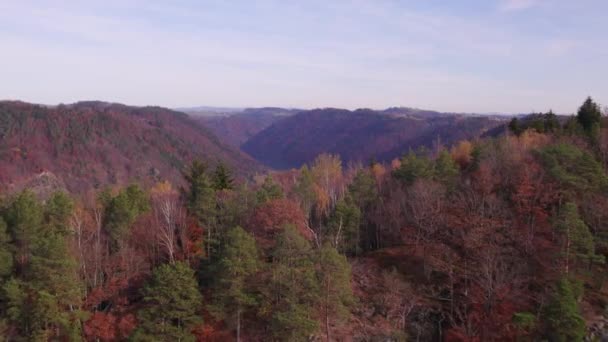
(209, 111)
(237, 128)
(92, 144)
(360, 135)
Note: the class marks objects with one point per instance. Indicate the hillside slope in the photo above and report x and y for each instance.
(92, 144)
(359, 135)
(236, 128)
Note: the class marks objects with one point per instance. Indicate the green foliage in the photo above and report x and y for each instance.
(6, 251)
(43, 301)
(524, 321)
(446, 171)
(305, 191)
(171, 302)
(234, 292)
(515, 127)
(573, 168)
(269, 191)
(24, 218)
(414, 166)
(589, 117)
(343, 226)
(334, 279)
(222, 178)
(363, 189)
(564, 321)
(541, 123)
(122, 211)
(201, 203)
(57, 212)
(417, 166)
(293, 289)
(578, 241)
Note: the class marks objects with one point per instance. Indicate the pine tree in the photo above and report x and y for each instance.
(24, 218)
(201, 203)
(6, 251)
(121, 211)
(445, 170)
(292, 289)
(234, 293)
(335, 291)
(589, 117)
(44, 301)
(171, 302)
(343, 226)
(414, 166)
(222, 178)
(269, 191)
(577, 239)
(564, 321)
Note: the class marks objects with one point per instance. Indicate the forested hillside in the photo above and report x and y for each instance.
(91, 144)
(498, 239)
(236, 128)
(362, 135)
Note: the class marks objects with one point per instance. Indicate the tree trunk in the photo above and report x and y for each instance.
(238, 325)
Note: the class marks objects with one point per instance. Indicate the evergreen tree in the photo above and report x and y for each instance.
(234, 293)
(222, 178)
(589, 117)
(269, 191)
(574, 169)
(515, 127)
(44, 302)
(305, 191)
(171, 302)
(122, 211)
(335, 292)
(24, 218)
(343, 226)
(363, 190)
(414, 166)
(6, 251)
(446, 171)
(292, 290)
(578, 241)
(564, 321)
(202, 204)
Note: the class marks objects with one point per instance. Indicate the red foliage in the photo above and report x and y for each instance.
(89, 144)
(271, 217)
(101, 326)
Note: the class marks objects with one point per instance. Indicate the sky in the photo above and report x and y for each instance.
(499, 56)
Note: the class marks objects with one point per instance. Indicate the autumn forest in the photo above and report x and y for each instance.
(500, 237)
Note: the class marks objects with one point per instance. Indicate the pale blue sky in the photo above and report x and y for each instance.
(467, 56)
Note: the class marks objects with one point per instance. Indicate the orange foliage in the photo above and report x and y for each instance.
(461, 153)
(271, 217)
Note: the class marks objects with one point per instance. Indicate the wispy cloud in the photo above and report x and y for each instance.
(517, 5)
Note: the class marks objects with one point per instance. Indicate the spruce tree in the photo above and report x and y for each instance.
(343, 226)
(333, 272)
(6, 251)
(201, 203)
(222, 178)
(292, 290)
(564, 321)
(171, 301)
(589, 117)
(578, 242)
(234, 292)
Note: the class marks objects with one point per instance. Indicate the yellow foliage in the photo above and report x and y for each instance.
(461, 153)
(162, 188)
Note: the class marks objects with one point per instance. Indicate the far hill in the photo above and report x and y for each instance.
(236, 128)
(94, 144)
(361, 135)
